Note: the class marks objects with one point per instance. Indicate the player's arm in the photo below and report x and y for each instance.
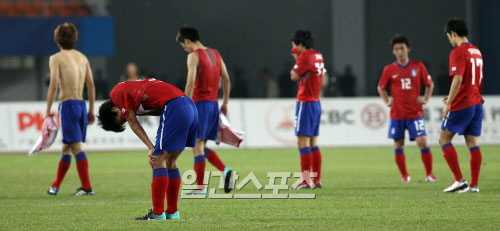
(192, 64)
(427, 95)
(134, 124)
(385, 97)
(455, 85)
(294, 76)
(53, 85)
(226, 87)
(89, 81)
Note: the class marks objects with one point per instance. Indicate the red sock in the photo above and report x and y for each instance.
(214, 159)
(158, 187)
(174, 184)
(452, 159)
(401, 161)
(305, 163)
(475, 165)
(82, 165)
(316, 163)
(427, 160)
(63, 167)
(199, 169)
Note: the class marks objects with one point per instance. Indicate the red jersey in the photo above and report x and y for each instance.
(405, 82)
(142, 96)
(466, 60)
(310, 68)
(206, 85)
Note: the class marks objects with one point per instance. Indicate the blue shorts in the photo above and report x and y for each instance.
(307, 118)
(208, 116)
(467, 121)
(178, 126)
(73, 118)
(416, 128)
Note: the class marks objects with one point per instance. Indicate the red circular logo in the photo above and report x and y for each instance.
(374, 116)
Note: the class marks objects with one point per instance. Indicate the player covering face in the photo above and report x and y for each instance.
(463, 111)
(177, 130)
(405, 78)
(308, 70)
(205, 67)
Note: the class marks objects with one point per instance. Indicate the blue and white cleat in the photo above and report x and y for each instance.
(152, 216)
(228, 179)
(173, 216)
(52, 191)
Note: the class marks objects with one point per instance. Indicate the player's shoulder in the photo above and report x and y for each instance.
(417, 63)
(390, 66)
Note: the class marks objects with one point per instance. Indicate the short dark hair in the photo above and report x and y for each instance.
(66, 35)
(399, 38)
(303, 37)
(107, 118)
(187, 32)
(457, 25)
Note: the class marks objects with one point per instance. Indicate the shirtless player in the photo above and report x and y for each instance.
(69, 71)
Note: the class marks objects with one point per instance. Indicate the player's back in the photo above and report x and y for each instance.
(206, 86)
(466, 60)
(72, 67)
(310, 68)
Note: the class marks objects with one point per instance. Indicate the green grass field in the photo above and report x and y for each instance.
(362, 191)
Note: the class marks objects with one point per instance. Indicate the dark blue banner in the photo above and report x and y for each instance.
(35, 36)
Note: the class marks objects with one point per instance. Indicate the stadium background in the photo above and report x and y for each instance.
(362, 187)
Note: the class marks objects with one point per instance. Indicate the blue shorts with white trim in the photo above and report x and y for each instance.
(467, 121)
(415, 127)
(178, 126)
(307, 118)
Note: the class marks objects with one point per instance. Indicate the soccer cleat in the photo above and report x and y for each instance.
(82, 192)
(469, 189)
(152, 216)
(228, 179)
(457, 185)
(173, 216)
(52, 191)
(431, 178)
(406, 179)
(318, 184)
(304, 185)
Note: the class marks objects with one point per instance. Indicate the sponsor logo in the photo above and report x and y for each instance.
(374, 116)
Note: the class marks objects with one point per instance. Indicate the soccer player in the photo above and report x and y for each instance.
(405, 77)
(463, 111)
(205, 67)
(308, 70)
(69, 71)
(177, 130)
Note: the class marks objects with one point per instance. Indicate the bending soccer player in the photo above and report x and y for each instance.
(69, 71)
(463, 111)
(308, 70)
(177, 130)
(205, 67)
(405, 77)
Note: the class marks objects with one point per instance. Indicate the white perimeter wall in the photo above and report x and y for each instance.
(266, 123)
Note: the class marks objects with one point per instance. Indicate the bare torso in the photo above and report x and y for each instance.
(72, 70)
